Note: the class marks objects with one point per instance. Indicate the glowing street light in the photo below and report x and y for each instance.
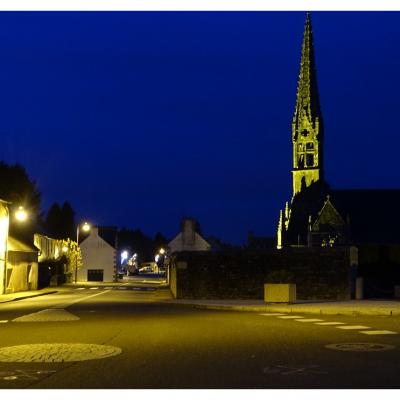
(162, 251)
(86, 228)
(124, 256)
(21, 215)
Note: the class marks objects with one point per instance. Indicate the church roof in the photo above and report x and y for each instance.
(373, 214)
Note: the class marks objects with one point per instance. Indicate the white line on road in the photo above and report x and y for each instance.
(309, 320)
(291, 317)
(108, 288)
(79, 288)
(330, 323)
(65, 305)
(3, 321)
(93, 288)
(271, 314)
(379, 332)
(353, 327)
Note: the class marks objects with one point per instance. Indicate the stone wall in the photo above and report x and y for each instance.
(319, 273)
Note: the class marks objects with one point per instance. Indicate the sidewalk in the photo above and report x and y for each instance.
(351, 307)
(6, 298)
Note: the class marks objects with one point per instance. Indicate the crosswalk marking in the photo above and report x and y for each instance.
(330, 323)
(272, 314)
(309, 320)
(383, 332)
(93, 288)
(353, 327)
(79, 288)
(291, 317)
(3, 321)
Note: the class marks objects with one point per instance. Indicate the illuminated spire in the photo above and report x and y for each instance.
(307, 91)
(307, 130)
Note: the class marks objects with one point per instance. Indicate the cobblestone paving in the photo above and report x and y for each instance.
(53, 314)
(56, 352)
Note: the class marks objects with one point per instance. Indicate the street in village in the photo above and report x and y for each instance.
(133, 335)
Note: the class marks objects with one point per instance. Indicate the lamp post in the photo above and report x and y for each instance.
(20, 215)
(86, 228)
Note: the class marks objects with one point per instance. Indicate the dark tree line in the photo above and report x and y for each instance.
(60, 221)
(137, 242)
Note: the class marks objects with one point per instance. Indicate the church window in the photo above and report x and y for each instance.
(309, 146)
(300, 162)
(310, 160)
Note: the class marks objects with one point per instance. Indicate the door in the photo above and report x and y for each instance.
(95, 275)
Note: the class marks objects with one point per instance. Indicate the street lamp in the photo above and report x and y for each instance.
(21, 215)
(86, 228)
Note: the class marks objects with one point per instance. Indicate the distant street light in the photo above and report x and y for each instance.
(162, 251)
(86, 228)
(124, 256)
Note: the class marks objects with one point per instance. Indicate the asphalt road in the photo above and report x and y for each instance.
(173, 346)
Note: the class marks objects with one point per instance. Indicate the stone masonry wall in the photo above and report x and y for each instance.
(319, 273)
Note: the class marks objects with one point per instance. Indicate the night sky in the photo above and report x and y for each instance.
(138, 119)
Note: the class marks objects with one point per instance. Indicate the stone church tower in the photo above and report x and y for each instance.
(307, 128)
(307, 133)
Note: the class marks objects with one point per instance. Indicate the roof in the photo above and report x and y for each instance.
(16, 245)
(107, 233)
(373, 214)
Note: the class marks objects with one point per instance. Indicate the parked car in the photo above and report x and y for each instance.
(150, 266)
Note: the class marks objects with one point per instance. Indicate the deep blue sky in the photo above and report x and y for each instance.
(140, 118)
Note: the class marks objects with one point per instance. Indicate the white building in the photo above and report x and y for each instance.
(98, 256)
(188, 239)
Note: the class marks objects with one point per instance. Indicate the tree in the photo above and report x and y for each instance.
(17, 188)
(60, 221)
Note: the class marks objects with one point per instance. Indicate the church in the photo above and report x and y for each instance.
(318, 215)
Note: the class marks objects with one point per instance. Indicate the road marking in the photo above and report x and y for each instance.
(272, 314)
(108, 288)
(3, 321)
(309, 320)
(80, 288)
(23, 374)
(65, 305)
(294, 370)
(353, 327)
(360, 346)
(330, 323)
(379, 332)
(291, 317)
(122, 288)
(93, 288)
(48, 315)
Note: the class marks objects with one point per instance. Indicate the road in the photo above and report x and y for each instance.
(149, 344)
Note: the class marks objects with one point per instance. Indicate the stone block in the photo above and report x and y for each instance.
(279, 292)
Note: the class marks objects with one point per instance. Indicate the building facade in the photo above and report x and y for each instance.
(188, 239)
(98, 257)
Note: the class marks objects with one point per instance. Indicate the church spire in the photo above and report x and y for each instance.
(307, 132)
